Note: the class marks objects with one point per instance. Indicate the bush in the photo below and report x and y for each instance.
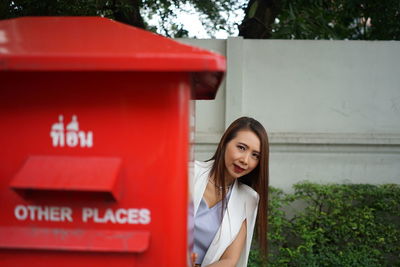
(333, 225)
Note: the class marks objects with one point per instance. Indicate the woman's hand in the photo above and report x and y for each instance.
(194, 258)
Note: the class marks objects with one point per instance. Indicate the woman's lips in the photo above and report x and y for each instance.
(237, 169)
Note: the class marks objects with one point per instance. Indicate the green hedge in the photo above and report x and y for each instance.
(333, 225)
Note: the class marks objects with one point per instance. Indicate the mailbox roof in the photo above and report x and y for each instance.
(100, 44)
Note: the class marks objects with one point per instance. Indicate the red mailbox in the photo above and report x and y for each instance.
(94, 142)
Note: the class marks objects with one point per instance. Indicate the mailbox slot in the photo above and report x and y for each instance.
(59, 174)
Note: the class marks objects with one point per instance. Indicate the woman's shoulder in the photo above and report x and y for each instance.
(249, 193)
(202, 166)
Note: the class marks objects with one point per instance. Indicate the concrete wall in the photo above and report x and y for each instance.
(331, 108)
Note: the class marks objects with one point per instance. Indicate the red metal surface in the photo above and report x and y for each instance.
(57, 173)
(140, 118)
(94, 142)
(99, 44)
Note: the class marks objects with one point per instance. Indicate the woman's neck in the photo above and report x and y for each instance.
(228, 182)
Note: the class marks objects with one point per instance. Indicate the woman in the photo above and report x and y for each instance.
(229, 191)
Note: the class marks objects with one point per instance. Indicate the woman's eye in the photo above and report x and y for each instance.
(240, 147)
(256, 156)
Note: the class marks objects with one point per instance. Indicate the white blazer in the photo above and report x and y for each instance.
(242, 205)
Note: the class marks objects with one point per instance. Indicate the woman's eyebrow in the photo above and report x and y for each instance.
(243, 144)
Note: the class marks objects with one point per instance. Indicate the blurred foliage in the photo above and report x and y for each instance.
(277, 19)
(338, 19)
(333, 225)
(134, 12)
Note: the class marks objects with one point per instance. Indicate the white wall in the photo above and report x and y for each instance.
(331, 108)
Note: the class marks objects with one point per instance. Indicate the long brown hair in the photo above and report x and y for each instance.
(257, 179)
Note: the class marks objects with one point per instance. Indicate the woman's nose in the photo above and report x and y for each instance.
(245, 158)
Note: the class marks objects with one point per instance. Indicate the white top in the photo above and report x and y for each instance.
(242, 206)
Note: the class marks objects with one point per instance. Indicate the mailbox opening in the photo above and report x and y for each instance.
(79, 176)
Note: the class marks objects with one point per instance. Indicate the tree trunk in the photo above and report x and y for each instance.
(129, 15)
(260, 15)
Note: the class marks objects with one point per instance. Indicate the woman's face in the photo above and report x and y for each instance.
(242, 154)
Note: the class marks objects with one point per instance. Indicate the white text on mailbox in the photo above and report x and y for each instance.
(65, 214)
